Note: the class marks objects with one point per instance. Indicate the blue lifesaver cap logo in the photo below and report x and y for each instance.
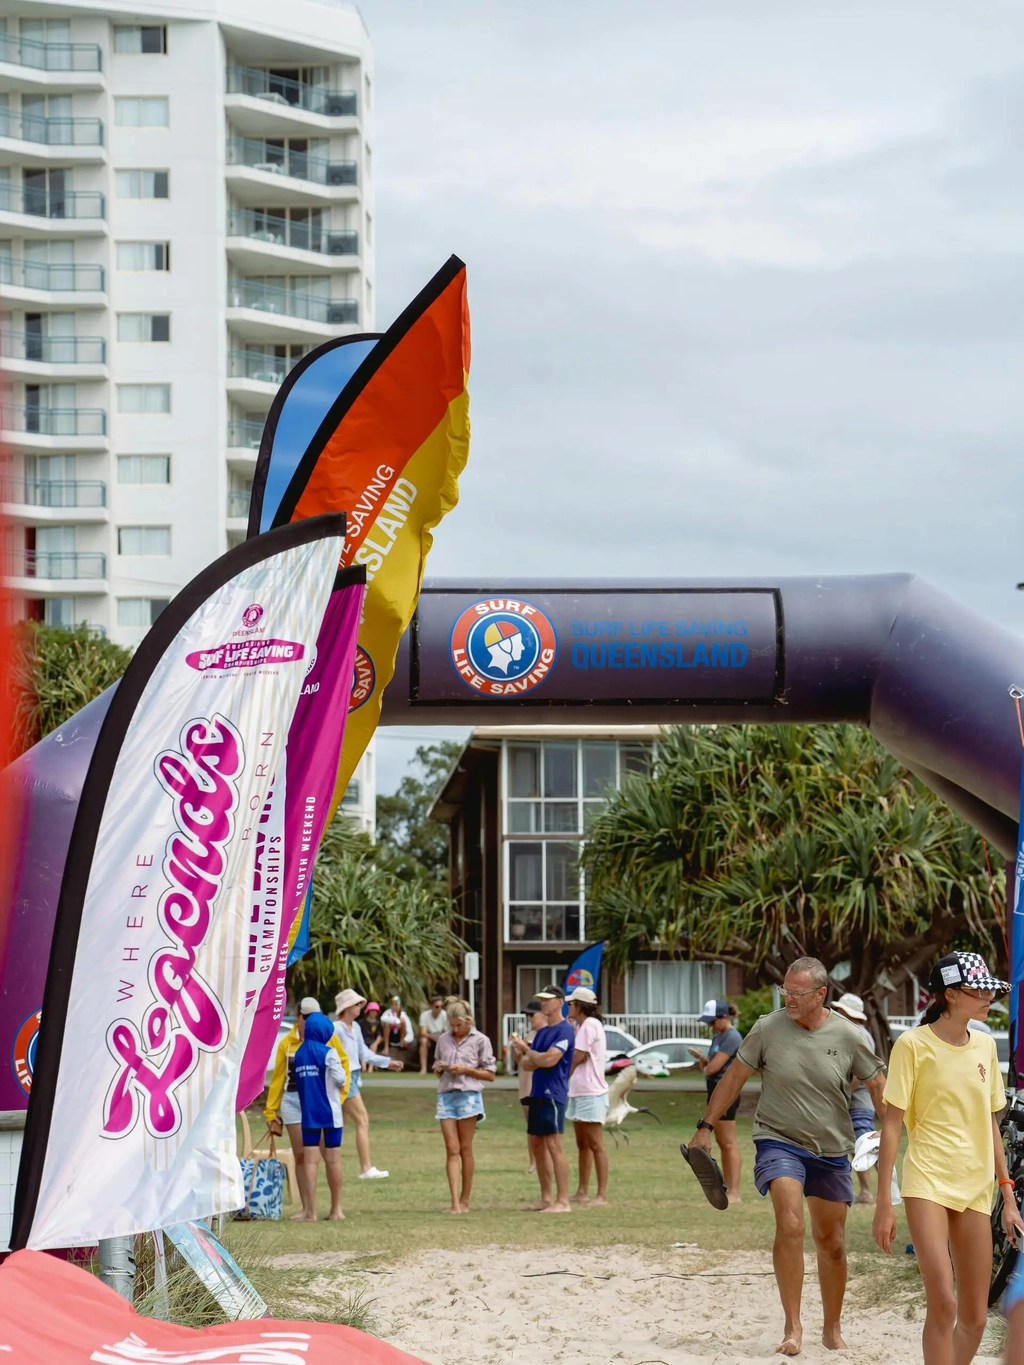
(503, 647)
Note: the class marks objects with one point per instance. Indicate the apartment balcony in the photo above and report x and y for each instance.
(254, 378)
(29, 140)
(238, 503)
(37, 210)
(58, 357)
(36, 502)
(64, 573)
(262, 312)
(256, 99)
(256, 168)
(244, 434)
(30, 428)
(52, 286)
(27, 63)
(255, 238)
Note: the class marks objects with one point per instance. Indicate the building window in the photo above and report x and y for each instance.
(143, 398)
(143, 326)
(137, 613)
(673, 987)
(552, 790)
(141, 111)
(147, 469)
(143, 255)
(143, 540)
(530, 980)
(351, 797)
(135, 38)
(59, 611)
(142, 184)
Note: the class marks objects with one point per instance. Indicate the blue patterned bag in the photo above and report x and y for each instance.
(263, 1180)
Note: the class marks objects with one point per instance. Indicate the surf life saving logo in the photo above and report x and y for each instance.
(503, 647)
(582, 976)
(364, 676)
(23, 1054)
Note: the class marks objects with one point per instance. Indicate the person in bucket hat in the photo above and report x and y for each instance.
(348, 1004)
(862, 1106)
(945, 1087)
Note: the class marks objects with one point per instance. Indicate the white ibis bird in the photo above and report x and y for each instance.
(618, 1104)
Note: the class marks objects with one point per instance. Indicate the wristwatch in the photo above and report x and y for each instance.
(703, 1123)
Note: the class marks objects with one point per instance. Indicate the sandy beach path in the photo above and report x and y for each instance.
(490, 1306)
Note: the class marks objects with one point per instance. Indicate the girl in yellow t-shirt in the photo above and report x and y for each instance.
(944, 1084)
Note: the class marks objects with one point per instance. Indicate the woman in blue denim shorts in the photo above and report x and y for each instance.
(464, 1060)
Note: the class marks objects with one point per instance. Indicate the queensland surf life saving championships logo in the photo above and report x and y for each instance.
(246, 648)
(503, 647)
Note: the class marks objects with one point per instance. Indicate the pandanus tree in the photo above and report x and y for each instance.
(754, 845)
(371, 928)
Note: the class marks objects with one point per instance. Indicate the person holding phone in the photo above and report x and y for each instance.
(945, 1086)
(464, 1060)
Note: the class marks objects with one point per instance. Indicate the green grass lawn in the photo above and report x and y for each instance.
(655, 1201)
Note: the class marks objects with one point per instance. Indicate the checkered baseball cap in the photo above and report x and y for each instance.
(966, 969)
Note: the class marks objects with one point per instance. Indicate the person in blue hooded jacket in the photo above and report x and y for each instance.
(320, 1082)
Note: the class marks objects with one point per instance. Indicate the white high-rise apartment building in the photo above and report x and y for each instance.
(186, 207)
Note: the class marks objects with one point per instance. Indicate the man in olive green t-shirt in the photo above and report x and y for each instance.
(807, 1056)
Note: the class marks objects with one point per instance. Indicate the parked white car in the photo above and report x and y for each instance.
(668, 1054)
(618, 1042)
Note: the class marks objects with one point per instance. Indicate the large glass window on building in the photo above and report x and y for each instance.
(673, 987)
(552, 790)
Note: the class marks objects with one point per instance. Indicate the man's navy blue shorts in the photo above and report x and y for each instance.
(545, 1117)
(332, 1137)
(823, 1177)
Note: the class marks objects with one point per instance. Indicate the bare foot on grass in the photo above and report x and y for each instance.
(832, 1339)
(456, 1209)
(335, 1216)
(579, 1198)
(303, 1217)
(598, 1201)
(792, 1343)
(535, 1208)
(558, 1208)
(864, 1198)
(735, 1199)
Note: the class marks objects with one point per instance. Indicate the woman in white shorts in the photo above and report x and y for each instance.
(588, 1095)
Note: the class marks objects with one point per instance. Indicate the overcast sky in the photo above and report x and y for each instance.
(745, 279)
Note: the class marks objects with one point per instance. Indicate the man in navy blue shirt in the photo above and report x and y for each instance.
(550, 1060)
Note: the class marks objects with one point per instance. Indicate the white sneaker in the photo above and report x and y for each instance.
(373, 1174)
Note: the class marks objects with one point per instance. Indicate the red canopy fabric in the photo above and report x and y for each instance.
(52, 1313)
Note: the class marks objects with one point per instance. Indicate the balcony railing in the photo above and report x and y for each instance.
(316, 99)
(50, 56)
(53, 350)
(244, 434)
(57, 278)
(61, 564)
(54, 421)
(238, 502)
(56, 493)
(265, 369)
(269, 227)
(265, 156)
(42, 201)
(268, 298)
(52, 132)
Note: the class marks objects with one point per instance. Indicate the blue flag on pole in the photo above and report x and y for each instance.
(1017, 945)
(585, 970)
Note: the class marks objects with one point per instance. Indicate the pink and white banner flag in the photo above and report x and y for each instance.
(131, 1117)
(292, 822)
